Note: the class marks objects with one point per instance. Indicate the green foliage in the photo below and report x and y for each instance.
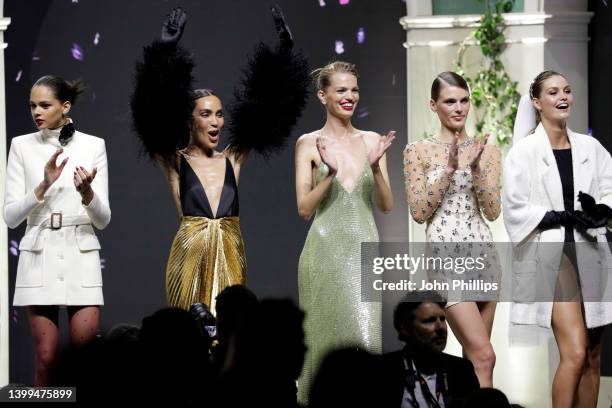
(494, 94)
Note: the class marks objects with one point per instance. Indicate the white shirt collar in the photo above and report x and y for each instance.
(53, 133)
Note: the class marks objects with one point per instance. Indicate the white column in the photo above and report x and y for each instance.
(4, 292)
(418, 8)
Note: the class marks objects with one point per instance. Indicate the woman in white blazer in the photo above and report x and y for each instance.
(558, 189)
(59, 262)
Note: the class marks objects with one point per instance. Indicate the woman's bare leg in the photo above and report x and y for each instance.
(588, 387)
(84, 323)
(45, 333)
(571, 335)
(473, 333)
(487, 312)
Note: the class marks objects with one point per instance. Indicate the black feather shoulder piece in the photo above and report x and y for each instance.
(269, 100)
(161, 103)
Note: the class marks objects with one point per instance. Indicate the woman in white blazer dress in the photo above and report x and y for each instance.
(558, 189)
(57, 179)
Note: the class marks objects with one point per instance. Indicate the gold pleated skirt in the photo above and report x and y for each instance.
(207, 255)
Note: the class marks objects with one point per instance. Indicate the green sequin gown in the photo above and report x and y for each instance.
(329, 275)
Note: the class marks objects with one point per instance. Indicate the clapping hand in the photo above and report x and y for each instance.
(52, 170)
(82, 183)
(377, 152)
(328, 159)
(476, 152)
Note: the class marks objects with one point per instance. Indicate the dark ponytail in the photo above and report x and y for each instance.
(63, 90)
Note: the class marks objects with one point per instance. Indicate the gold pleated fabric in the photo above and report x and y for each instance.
(207, 255)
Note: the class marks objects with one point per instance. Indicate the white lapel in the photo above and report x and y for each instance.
(550, 177)
(581, 166)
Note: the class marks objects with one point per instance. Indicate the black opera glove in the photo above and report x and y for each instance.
(173, 27)
(284, 33)
(592, 209)
(585, 221)
(553, 219)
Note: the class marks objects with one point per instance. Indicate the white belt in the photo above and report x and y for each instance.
(57, 220)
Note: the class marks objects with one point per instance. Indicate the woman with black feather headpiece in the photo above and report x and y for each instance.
(208, 252)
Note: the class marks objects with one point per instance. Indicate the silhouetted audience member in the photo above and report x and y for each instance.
(174, 361)
(348, 377)
(486, 398)
(123, 333)
(233, 303)
(266, 358)
(421, 375)
(80, 367)
(103, 371)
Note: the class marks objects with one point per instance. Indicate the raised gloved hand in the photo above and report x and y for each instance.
(284, 33)
(174, 26)
(591, 208)
(553, 219)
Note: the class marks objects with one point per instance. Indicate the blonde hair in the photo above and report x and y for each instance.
(322, 76)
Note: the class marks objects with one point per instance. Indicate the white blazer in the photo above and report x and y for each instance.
(531, 187)
(57, 266)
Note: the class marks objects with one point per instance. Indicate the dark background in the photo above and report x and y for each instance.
(221, 34)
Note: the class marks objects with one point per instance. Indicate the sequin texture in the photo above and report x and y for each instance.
(329, 275)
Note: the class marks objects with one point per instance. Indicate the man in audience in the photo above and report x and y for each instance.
(421, 375)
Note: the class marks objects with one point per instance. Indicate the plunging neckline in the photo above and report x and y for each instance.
(363, 168)
(357, 182)
(206, 200)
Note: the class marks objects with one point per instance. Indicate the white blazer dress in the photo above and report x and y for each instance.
(531, 187)
(57, 266)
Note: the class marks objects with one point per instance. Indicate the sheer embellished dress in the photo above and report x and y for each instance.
(208, 252)
(453, 206)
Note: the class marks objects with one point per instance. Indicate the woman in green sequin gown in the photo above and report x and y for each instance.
(338, 168)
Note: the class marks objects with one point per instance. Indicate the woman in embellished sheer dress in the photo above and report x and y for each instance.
(452, 181)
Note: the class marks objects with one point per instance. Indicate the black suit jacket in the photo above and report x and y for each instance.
(459, 373)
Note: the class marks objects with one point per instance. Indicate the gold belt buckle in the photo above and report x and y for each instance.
(56, 220)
